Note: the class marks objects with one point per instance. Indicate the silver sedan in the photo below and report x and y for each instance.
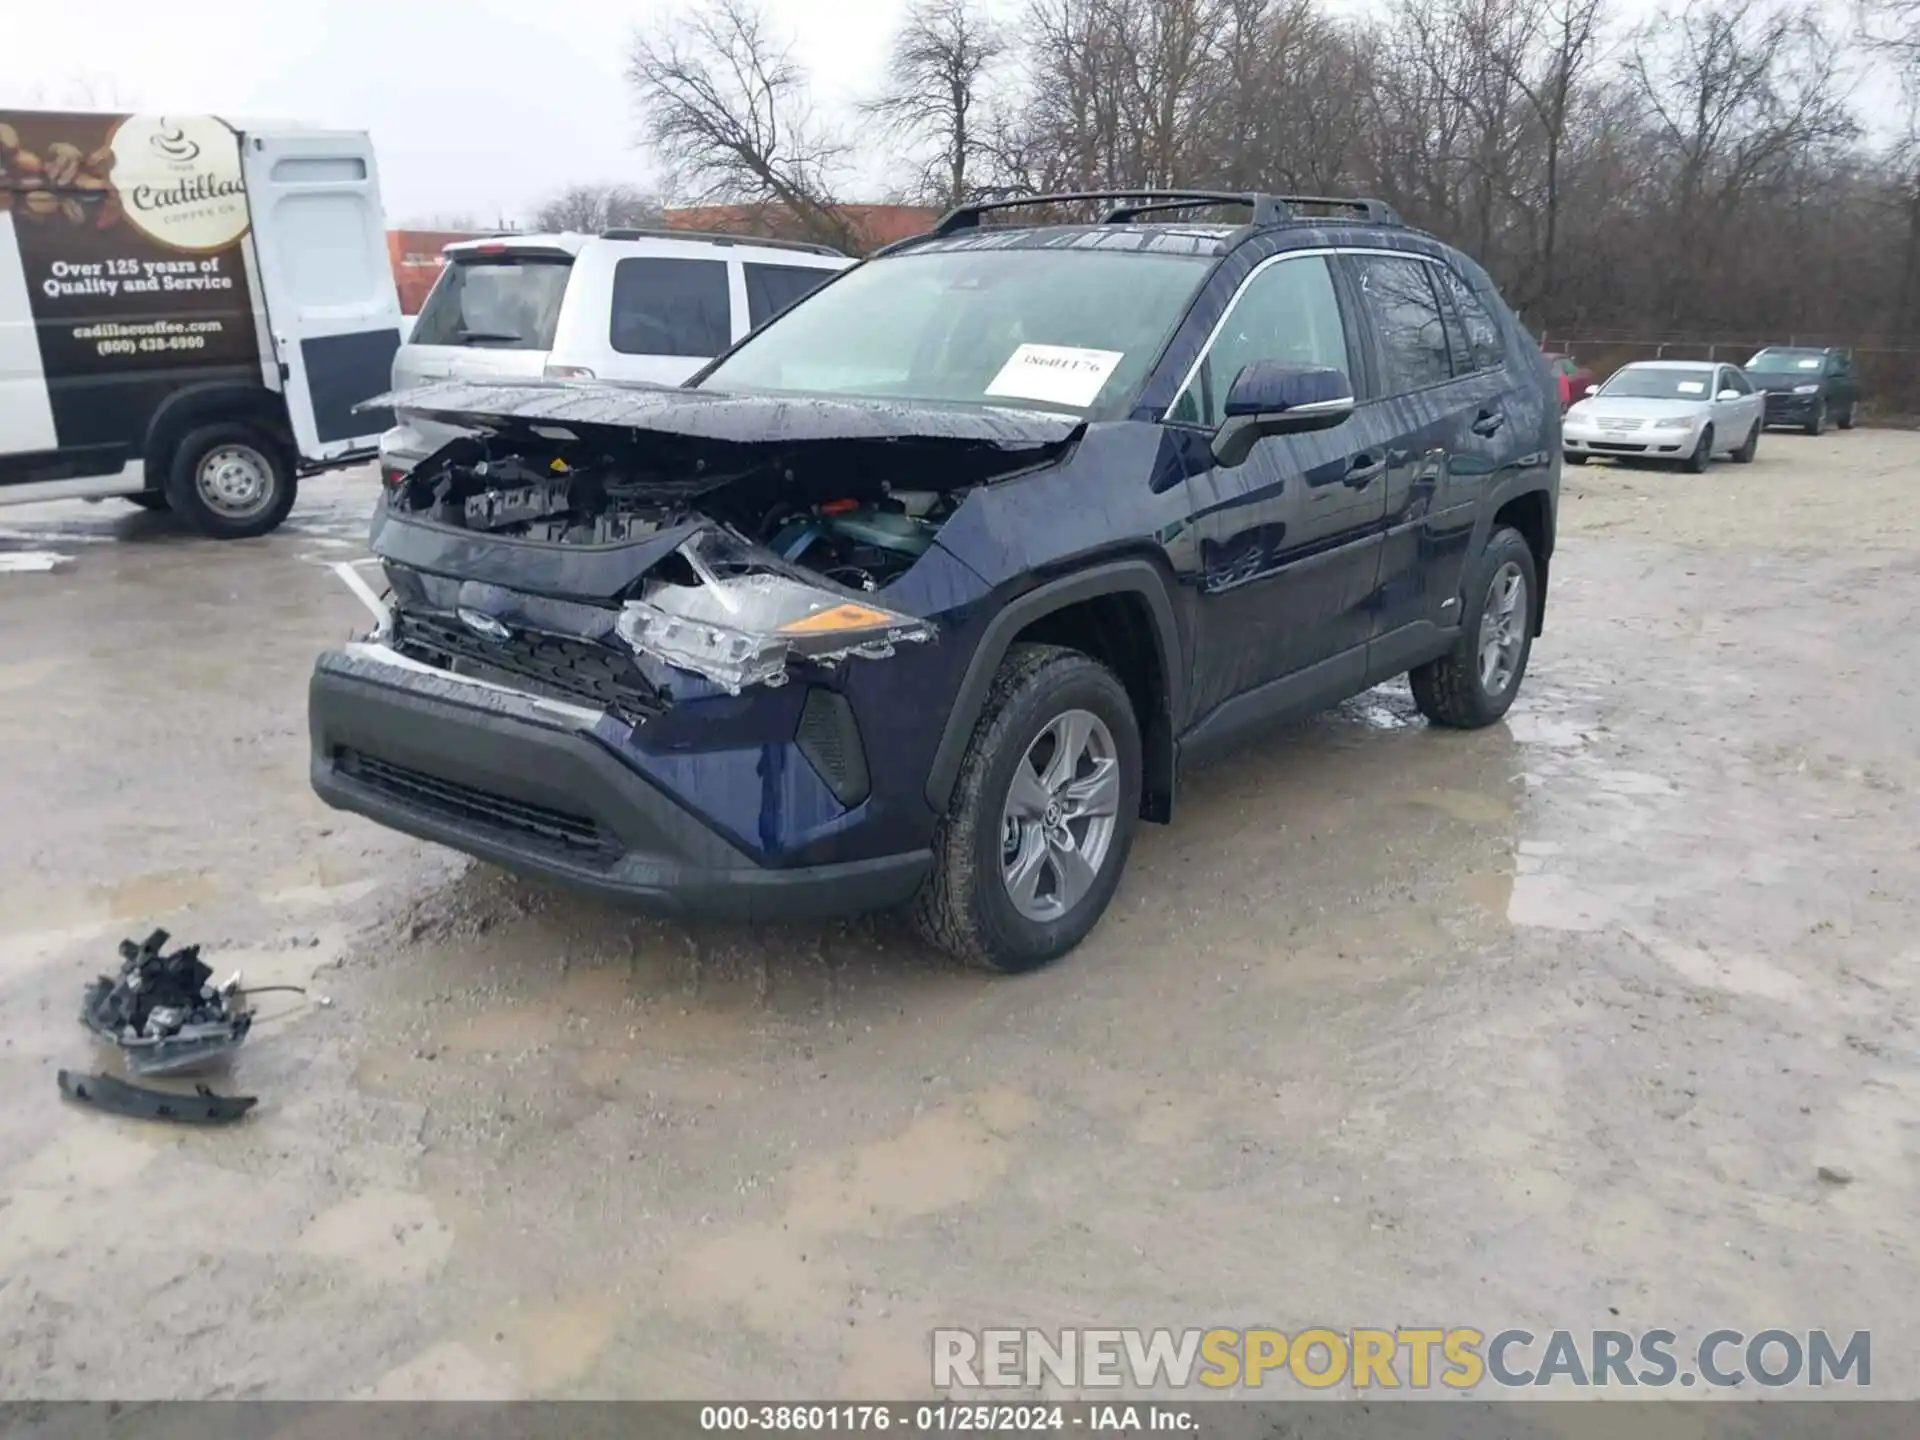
(1681, 411)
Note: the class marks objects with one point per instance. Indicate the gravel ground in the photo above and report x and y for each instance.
(1551, 1025)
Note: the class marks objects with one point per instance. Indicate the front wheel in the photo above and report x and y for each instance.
(1845, 422)
(1576, 459)
(230, 481)
(1031, 848)
(1702, 453)
(1818, 424)
(1474, 683)
(1748, 447)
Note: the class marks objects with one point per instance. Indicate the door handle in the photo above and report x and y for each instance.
(1363, 470)
(1488, 421)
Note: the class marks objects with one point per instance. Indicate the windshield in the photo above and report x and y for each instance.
(1071, 330)
(508, 304)
(1636, 383)
(1784, 362)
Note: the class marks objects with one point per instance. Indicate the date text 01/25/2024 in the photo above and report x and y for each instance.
(936, 1419)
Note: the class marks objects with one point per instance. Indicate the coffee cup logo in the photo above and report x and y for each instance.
(179, 180)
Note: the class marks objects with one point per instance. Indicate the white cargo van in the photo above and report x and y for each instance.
(190, 309)
(644, 306)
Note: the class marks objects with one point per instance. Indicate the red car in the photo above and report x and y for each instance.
(1574, 378)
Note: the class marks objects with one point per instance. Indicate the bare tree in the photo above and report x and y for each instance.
(939, 68)
(726, 110)
(1739, 93)
(593, 208)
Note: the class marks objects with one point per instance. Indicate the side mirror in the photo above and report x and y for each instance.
(1728, 395)
(1269, 397)
(1593, 389)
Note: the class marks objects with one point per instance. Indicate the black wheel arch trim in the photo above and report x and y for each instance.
(1114, 577)
(1513, 489)
(223, 402)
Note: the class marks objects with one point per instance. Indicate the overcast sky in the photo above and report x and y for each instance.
(477, 107)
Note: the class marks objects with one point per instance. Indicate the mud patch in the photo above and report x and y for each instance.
(388, 1236)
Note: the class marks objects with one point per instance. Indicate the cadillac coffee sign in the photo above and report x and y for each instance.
(179, 180)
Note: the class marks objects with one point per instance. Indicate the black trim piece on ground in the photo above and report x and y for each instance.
(141, 1102)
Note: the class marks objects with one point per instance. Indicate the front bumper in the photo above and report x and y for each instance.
(1578, 438)
(1785, 408)
(522, 782)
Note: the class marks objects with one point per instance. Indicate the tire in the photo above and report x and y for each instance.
(1744, 455)
(149, 500)
(1454, 691)
(1697, 462)
(1818, 424)
(230, 481)
(1845, 421)
(1579, 459)
(967, 905)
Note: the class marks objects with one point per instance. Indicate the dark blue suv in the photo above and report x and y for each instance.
(927, 591)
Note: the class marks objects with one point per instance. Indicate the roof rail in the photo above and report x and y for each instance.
(967, 217)
(1267, 209)
(719, 237)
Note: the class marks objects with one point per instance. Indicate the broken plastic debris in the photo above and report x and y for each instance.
(747, 617)
(163, 1010)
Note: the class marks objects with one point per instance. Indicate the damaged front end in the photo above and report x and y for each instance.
(727, 539)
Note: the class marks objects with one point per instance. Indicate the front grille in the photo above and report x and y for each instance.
(1617, 447)
(576, 837)
(1618, 423)
(561, 667)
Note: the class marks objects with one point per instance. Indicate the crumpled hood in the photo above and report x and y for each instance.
(611, 412)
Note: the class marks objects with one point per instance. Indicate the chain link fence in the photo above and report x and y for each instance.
(1889, 371)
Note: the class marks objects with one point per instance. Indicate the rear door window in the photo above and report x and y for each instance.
(663, 305)
(512, 303)
(1475, 338)
(1406, 314)
(772, 288)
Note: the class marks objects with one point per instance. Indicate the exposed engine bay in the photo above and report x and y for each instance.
(554, 498)
(720, 536)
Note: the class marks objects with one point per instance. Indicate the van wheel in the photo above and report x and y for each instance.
(1474, 683)
(1031, 848)
(230, 481)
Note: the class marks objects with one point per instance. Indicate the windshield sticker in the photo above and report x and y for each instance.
(1693, 387)
(1812, 364)
(1056, 374)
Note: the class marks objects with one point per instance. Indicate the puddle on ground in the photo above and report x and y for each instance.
(946, 1158)
(161, 893)
(388, 1236)
(1471, 806)
(552, 1346)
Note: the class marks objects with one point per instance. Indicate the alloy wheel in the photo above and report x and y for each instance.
(1503, 630)
(1058, 822)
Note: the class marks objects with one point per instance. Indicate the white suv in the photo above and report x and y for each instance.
(642, 305)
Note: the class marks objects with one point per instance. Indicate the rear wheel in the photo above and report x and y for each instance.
(1744, 455)
(230, 481)
(1818, 424)
(1475, 682)
(1702, 453)
(1031, 848)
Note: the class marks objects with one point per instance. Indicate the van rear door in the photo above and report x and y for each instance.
(320, 242)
